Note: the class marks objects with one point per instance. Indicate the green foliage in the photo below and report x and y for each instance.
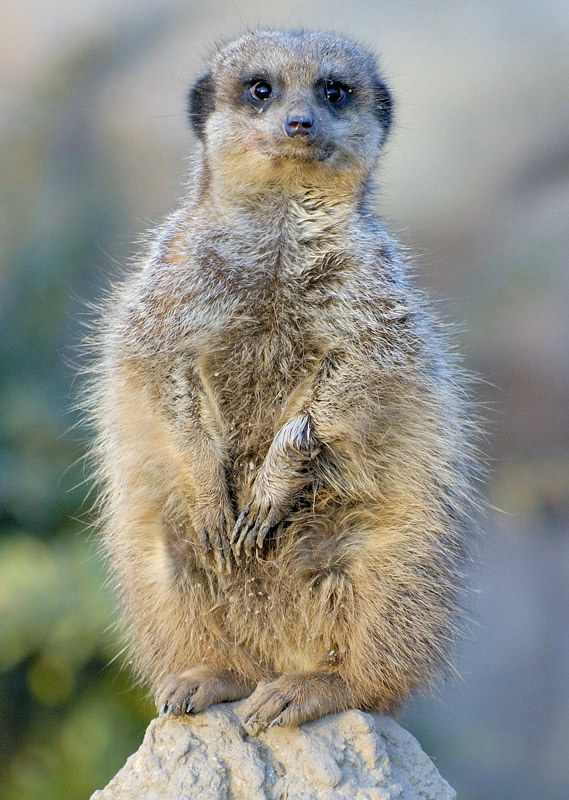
(68, 719)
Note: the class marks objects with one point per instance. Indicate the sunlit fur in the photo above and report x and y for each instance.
(270, 353)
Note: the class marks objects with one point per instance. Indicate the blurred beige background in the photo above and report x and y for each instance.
(475, 179)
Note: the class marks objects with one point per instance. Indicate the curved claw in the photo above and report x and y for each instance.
(188, 706)
(251, 538)
(265, 528)
(222, 553)
(249, 534)
(242, 537)
(216, 543)
(237, 526)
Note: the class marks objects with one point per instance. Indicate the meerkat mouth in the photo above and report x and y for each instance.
(306, 153)
(275, 149)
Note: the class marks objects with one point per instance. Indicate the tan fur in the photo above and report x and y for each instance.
(281, 438)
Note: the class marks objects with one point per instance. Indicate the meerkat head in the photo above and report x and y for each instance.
(287, 106)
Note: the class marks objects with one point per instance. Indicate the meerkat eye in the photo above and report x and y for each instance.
(334, 91)
(260, 90)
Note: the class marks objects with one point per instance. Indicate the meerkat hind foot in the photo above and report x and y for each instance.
(197, 689)
(293, 699)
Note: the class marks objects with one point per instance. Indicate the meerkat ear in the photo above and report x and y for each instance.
(383, 106)
(201, 102)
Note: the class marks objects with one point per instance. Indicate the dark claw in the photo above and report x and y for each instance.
(205, 542)
(250, 539)
(235, 531)
(242, 538)
(189, 706)
(216, 544)
(226, 548)
(265, 528)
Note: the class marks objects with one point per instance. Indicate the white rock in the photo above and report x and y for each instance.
(354, 755)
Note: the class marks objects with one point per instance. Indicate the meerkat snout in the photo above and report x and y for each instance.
(299, 124)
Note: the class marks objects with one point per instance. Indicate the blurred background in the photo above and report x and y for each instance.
(475, 180)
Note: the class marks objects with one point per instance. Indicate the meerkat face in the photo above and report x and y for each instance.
(287, 104)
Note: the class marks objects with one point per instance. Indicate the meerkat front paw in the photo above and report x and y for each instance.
(213, 524)
(283, 474)
(255, 521)
(198, 688)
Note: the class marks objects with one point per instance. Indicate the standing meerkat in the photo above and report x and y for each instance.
(282, 439)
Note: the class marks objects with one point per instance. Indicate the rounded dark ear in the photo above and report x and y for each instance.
(201, 102)
(383, 106)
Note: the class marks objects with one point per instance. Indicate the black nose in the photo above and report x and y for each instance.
(299, 125)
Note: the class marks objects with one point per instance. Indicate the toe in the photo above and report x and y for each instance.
(264, 707)
(237, 527)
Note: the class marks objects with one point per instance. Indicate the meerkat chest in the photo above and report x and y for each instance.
(271, 329)
(256, 363)
(261, 361)
(253, 326)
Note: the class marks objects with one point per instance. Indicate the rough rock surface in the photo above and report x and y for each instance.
(210, 757)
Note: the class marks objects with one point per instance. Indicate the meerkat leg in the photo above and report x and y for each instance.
(178, 445)
(201, 453)
(212, 518)
(283, 474)
(198, 688)
(295, 698)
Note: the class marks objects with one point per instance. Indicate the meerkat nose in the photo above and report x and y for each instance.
(299, 125)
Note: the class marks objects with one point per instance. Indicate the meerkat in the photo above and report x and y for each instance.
(282, 437)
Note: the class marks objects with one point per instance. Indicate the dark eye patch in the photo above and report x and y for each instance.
(258, 91)
(383, 105)
(335, 92)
